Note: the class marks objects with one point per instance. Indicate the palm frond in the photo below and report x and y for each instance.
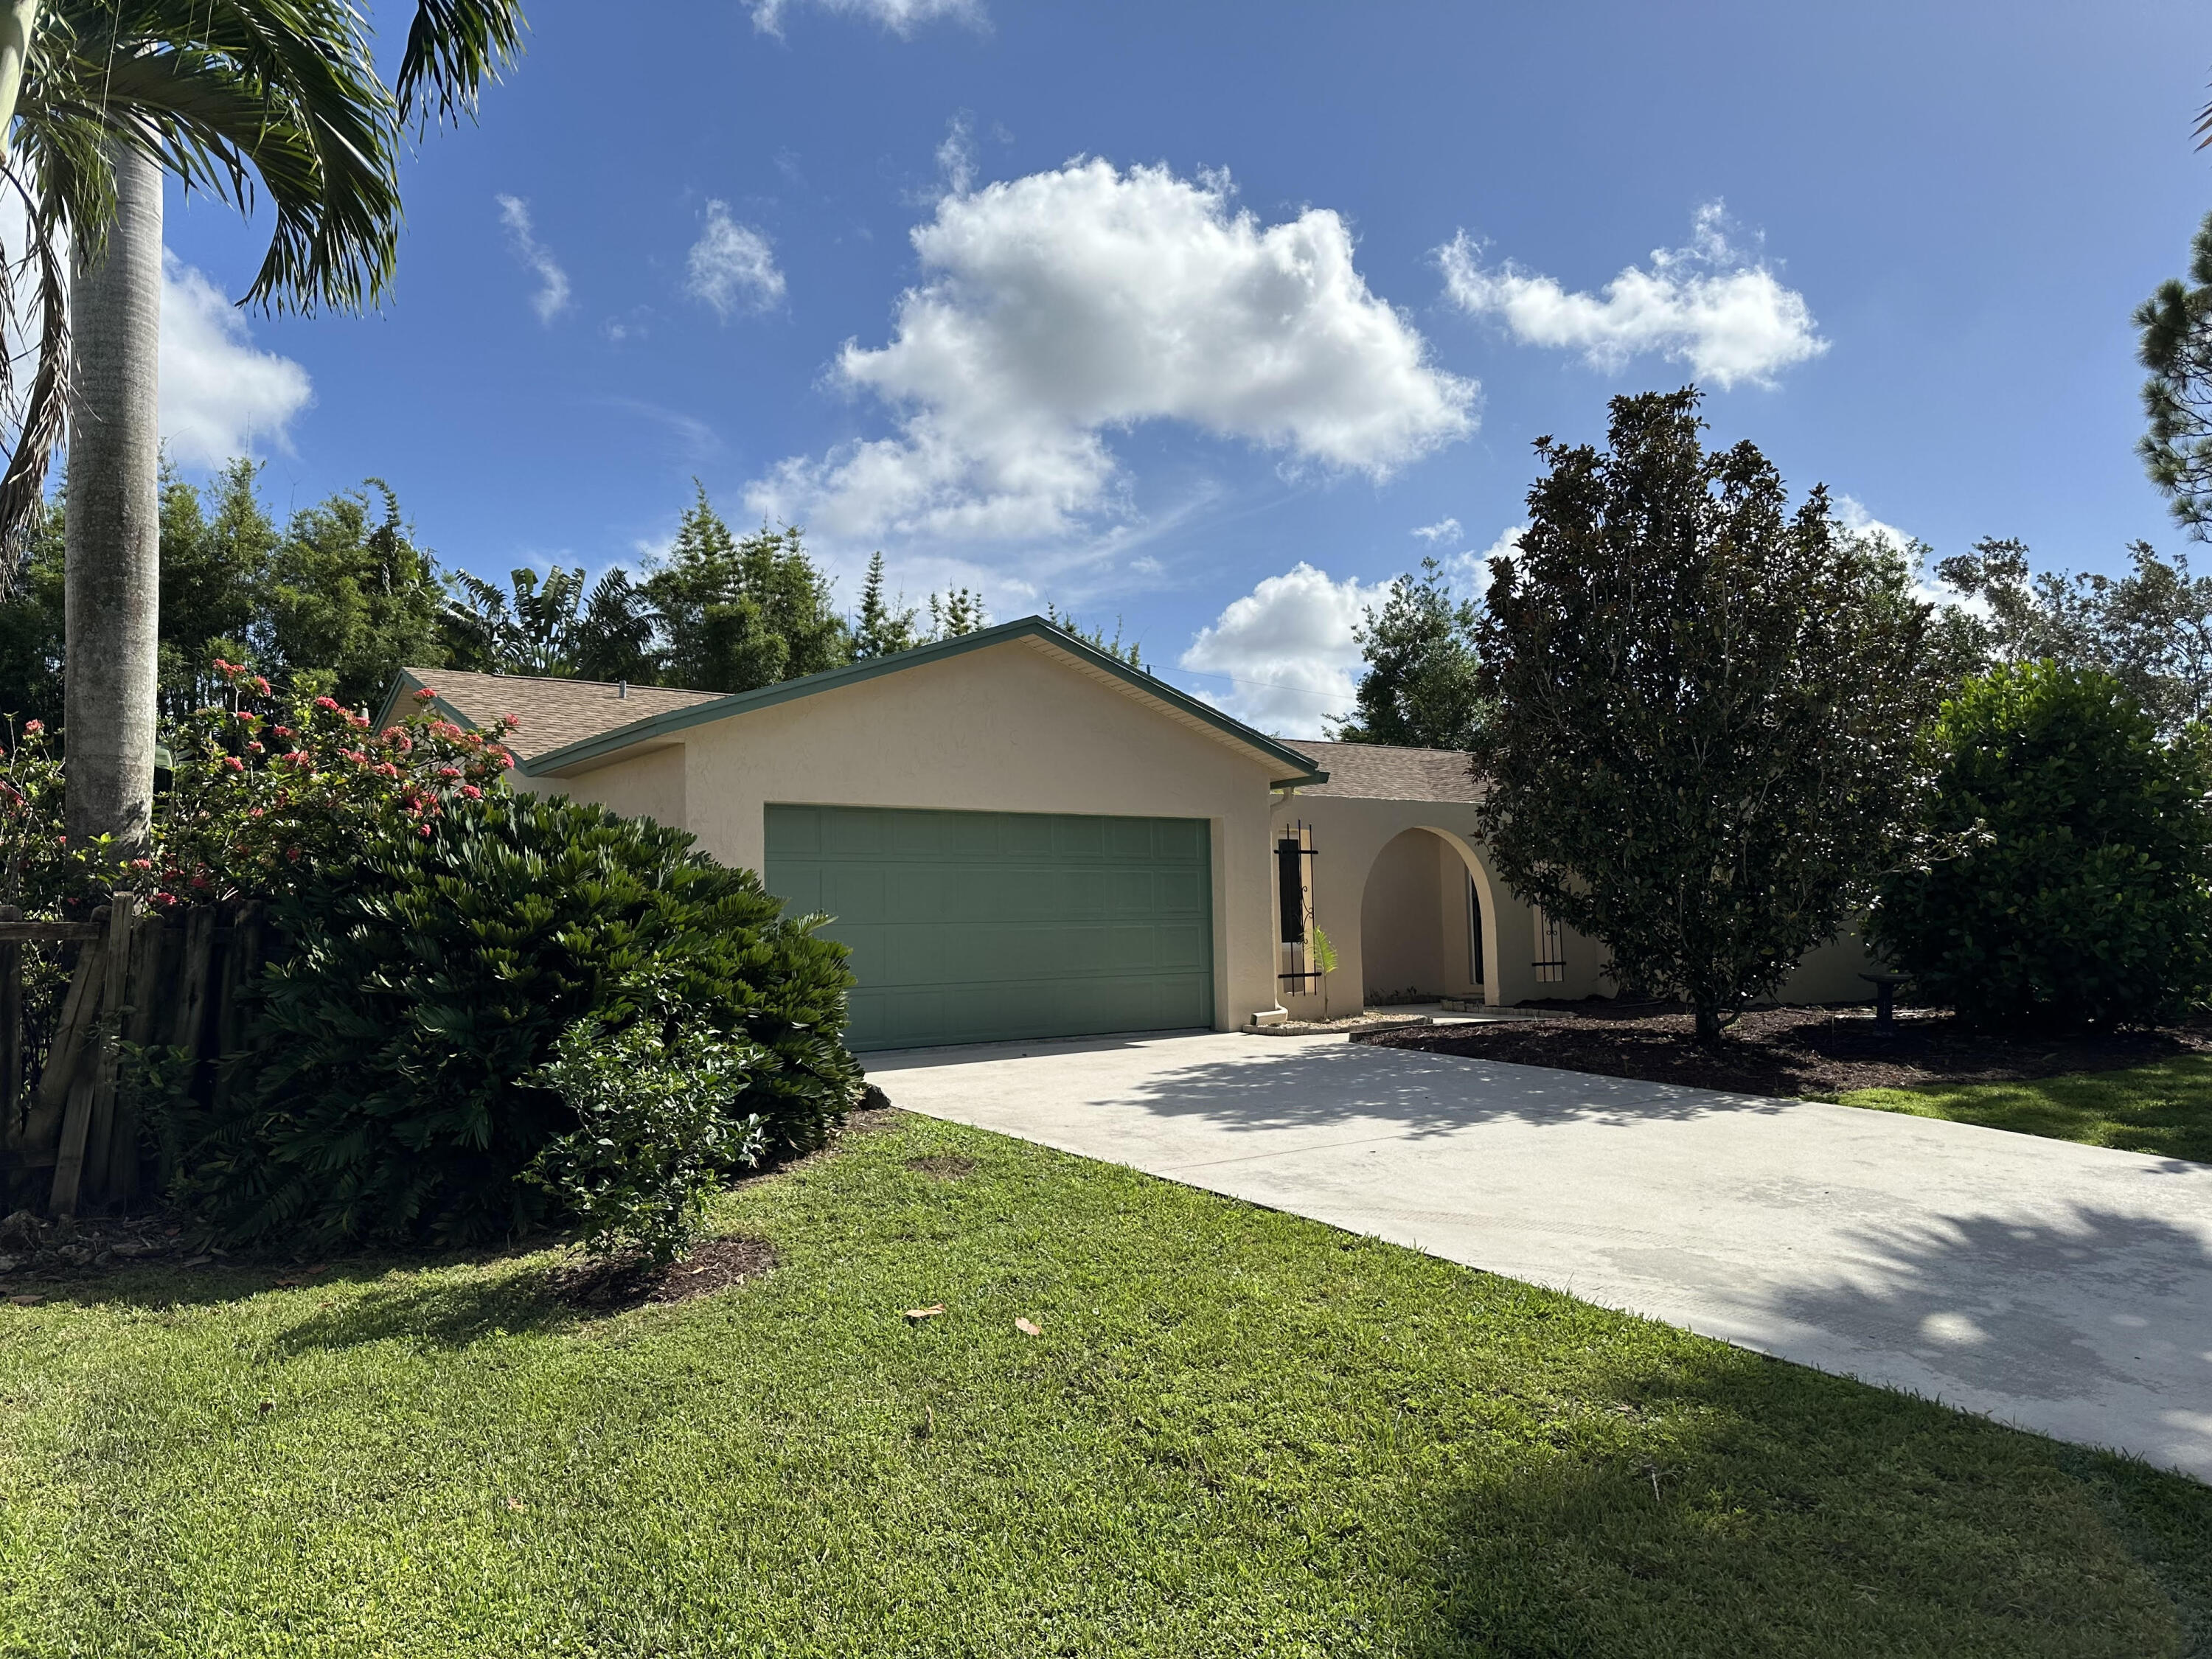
(453, 47)
(45, 408)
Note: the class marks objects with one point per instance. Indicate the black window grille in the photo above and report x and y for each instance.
(1294, 857)
(1551, 963)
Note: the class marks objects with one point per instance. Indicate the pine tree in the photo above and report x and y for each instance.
(954, 612)
(882, 626)
(735, 615)
(2176, 347)
(1131, 653)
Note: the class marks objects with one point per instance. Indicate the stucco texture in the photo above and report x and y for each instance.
(1390, 878)
(1013, 727)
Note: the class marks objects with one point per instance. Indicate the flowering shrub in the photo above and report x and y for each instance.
(260, 787)
(265, 787)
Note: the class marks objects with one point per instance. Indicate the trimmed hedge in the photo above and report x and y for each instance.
(2070, 851)
(397, 1085)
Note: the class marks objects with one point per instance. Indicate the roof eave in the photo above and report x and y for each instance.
(586, 750)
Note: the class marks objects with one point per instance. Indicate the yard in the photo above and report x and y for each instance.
(1233, 1432)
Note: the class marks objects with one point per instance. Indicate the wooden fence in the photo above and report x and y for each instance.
(69, 1136)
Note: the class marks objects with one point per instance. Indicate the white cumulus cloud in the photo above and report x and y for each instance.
(219, 394)
(1722, 312)
(1468, 573)
(1444, 529)
(552, 296)
(732, 266)
(1283, 657)
(901, 17)
(1062, 305)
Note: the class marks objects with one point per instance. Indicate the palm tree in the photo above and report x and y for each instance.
(97, 100)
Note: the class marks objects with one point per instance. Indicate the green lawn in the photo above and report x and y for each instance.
(2164, 1108)
(1239, 1433)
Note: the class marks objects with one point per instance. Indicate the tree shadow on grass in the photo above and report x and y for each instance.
(447, 1298)
(1729, 1504)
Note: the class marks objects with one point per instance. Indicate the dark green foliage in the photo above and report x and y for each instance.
(1705, 708)
(551, 626)
(2176, 347)
(2151, 629)
(350, 593)
(737, 615)
(393, 1090)
(31, 627)
(1420, 689)
(2068, 860)
(654, 1136)
(334, 602)
(217, 545)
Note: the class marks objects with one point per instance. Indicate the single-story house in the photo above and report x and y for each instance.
(1022, 836)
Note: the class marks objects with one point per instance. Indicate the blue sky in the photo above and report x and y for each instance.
(1195, 315)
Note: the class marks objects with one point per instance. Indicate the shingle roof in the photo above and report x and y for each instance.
(1376, 771)
(554, 713)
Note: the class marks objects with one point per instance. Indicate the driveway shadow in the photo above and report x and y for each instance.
(2057, 1312)
(1421, 1095)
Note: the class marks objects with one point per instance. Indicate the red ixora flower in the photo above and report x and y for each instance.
(472, 791)
(261, 685)
(423, 830)
(142, 864)
(387, 769)
(510, 721)
(232, 764)
(449, 771)
(426, 694)
(246, 714)
(34, 725)
(326, 702)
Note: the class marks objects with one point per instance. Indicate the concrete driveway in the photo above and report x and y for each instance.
(2062, 1288)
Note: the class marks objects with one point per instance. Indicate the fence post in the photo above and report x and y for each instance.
(11, 1031)
(76, 1011)
(135, 1024)
(92, 1098)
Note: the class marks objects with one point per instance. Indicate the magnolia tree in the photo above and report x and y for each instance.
(1703, 707)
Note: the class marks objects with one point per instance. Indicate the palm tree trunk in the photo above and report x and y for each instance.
(18, 21)
(112, 614)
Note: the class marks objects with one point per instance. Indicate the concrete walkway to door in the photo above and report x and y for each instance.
(2065, 1289)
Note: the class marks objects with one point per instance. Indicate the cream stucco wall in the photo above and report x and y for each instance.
(1013, 727)
(1386, 889)
(638, 786)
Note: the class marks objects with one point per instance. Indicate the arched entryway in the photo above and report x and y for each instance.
(1426, 925)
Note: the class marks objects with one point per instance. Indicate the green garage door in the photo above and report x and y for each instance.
(978, 926)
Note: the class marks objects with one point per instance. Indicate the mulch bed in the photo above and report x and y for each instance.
(608, 1286)
(1353, 1024)
(1814, 1052)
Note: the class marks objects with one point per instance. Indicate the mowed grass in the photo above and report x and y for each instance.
(2164, 1108)
(1239, 1433)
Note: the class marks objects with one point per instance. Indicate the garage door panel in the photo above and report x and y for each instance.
(975, 927)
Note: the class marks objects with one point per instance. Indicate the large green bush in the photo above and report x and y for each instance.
(397, 1084)
(2069, 851)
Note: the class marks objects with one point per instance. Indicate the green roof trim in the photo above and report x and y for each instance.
(1300, 769)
